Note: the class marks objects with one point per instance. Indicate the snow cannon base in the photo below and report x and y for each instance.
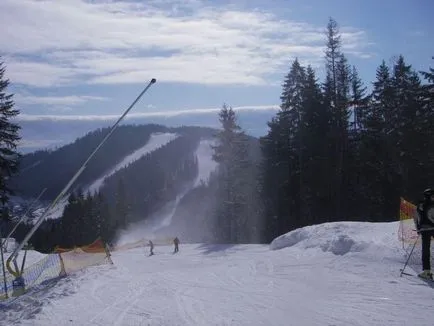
(18, 286)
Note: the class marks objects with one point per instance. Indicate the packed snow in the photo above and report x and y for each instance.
(206, 164)
(344, 273)
(156, 141)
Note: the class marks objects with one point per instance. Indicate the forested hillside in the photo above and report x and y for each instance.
(53, 169)
(130, 194)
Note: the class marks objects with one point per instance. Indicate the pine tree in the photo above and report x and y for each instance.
(316, 127)
(359, 99)
(333, 54)
(411, 128)
(426, 123)
(336, 90)
(375, 156)
(231, 153)
(9, 138)
(69, 221)
(282, 177)
(291, 118)
(121, 205)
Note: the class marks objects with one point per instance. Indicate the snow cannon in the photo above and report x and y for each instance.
(18, 286)
(153, 81)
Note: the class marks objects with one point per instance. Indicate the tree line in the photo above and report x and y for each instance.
(333, 152)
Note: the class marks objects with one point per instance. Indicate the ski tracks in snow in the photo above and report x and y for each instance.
(237, 283)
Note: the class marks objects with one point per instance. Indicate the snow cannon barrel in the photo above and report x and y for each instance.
(153, 81)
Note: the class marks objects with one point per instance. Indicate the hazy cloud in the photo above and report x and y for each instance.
(102, 117)
(55, 100)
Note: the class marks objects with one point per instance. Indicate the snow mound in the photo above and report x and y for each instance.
(338, 238)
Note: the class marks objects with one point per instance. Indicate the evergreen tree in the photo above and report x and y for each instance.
(426, 124)
(333, 55)
(9, 138)
(358, 99)
(411, 131)
(121, 207)
(284, 163)
(336, 90)
(315, 200)
(104, 221)
(231, 152)
(69, 221)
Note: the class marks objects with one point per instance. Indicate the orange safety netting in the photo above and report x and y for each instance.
(97, 246)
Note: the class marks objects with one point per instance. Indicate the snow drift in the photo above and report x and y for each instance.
(340, 238)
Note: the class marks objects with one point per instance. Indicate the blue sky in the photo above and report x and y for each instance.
(89, 59)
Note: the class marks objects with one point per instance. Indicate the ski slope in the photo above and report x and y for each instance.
(330, 274)
(156, 141)
(206, 164)
(163, 218)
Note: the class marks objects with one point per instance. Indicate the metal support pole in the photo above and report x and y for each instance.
(23, 217)
(411, 252)
(3, 267)
(71, 182)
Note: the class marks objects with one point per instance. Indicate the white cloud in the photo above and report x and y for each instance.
(100, 117)
(58, 42)
(38, 143)
(55, 100)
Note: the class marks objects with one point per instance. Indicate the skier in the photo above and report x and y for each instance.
(425, 227)
(152, 248)
(176, 242)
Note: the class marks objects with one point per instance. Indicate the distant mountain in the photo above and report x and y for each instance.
(52, 169)
(53, 132)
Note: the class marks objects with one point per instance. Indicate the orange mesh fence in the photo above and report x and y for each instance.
(61, 262)
(407, 226)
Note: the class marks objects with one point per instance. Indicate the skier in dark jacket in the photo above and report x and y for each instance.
(151, 244)
(176, 243)
(425, 226)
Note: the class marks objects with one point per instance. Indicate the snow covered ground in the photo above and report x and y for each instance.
(330, 274)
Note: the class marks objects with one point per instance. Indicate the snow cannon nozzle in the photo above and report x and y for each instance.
(153, 81)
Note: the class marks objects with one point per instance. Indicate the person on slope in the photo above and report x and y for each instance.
(176, 243)
(425, 227)
(151, 245)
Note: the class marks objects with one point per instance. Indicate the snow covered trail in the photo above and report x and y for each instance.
(207, 165)
(156, 141)
(163, 217)
(335, 274)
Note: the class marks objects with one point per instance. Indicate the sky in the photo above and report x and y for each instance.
(88, 60)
